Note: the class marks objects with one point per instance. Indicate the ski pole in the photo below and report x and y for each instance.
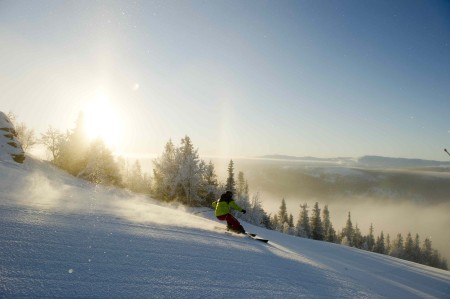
(445, 150)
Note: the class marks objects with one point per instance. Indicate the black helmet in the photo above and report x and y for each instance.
(227, 196)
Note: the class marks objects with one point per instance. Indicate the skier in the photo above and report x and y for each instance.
(222, 206)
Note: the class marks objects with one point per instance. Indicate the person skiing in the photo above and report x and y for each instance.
(222, 207)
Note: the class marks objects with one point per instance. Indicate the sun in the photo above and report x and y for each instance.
(102, 120)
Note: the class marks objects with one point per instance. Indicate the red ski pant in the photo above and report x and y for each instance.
(232, 222)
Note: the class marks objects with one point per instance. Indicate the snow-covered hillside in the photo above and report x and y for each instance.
(63, 237)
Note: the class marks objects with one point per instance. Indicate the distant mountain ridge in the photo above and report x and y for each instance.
(378, 161)
(367, 161)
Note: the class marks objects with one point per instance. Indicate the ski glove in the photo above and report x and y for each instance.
(244, 211)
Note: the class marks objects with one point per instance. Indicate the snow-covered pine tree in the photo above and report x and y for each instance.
(303, 228)
(210, 184)
(72, 152)
(256, 213)
(137, 181)
(25, 135)
(282, 213)
(178, 173)
(189, 175)
(100, 165)
(317, 232)
(165, 169)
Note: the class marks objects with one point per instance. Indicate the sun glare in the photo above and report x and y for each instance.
(102, 121)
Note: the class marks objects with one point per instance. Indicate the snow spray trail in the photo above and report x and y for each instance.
(40, 185)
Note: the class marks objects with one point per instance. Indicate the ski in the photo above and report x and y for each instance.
(254, 237)
(250, 235)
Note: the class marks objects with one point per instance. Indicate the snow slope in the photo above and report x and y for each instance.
(63, 237)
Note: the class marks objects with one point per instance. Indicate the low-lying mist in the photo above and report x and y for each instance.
(390, 216)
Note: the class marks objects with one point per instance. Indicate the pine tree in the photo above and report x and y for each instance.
(416, 249)
(316, 223)
(137, 180)
(274, 222)
(427, 252)
(240, 190)
(189, 174)
(100, 166)
(242, 196)
(288, 226)
(147, 184)
(388, 244)
(291, 220)
(348, 232)
(380, 245)
(164, 172)
(303, 228)
(370, 242)
(231, 183)
(397, 247)
(358, 239)
(409, 248)
(210, 184)
(179, 174)
(330, 233)
(282, 212)
(73, 149)
(256, 213)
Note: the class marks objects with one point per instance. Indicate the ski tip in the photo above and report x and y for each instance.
(254, 237)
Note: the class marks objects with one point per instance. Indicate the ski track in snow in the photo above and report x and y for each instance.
(61, 237)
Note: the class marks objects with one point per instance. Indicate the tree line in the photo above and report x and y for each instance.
(180, 176)
(319, 227)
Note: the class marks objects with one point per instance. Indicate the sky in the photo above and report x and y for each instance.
(240, 78)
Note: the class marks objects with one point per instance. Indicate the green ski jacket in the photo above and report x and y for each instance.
(222, 207)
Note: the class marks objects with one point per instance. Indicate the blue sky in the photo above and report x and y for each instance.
(241, 78)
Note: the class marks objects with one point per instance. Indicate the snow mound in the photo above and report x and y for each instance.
(10, 148)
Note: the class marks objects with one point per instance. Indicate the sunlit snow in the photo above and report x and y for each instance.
(64, 237)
